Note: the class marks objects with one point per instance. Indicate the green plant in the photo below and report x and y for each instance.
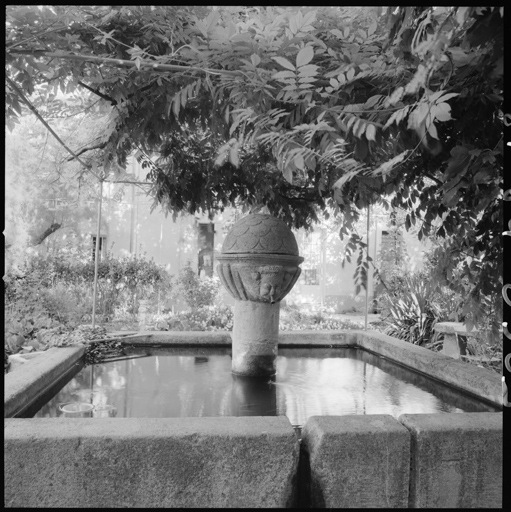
(26, 317)
(196, 292)
(204, 318)
(409, 308)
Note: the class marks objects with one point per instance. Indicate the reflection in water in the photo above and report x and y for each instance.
(199, 382)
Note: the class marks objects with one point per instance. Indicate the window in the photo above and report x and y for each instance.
(102, 247)
(311, 251)
(205, 243)
(310, 276)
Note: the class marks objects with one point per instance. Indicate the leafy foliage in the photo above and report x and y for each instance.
(204, 318)
(344, 107)
(413, 313)
(48, 299)
(197, 292)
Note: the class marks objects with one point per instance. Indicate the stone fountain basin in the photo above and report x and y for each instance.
(417, 460)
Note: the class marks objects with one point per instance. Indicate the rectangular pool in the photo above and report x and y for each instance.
(197, 382)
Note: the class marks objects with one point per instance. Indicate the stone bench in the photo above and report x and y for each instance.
(455, 338)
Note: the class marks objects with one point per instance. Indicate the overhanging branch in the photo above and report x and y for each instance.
(122, 62)
(48, 127)
(83, 150)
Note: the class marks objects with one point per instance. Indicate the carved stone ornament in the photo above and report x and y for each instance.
(259, 260)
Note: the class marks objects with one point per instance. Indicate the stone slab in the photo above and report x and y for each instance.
(357, 461)
(314, 338)
(35, 376)
(479, 382)
(191, 338)
(456, 460)
(223, 338)
(454, 328)
(150, 462)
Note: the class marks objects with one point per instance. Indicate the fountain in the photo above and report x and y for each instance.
(375, 458)
(258, 267)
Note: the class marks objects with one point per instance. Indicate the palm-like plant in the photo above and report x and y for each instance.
(413, 311)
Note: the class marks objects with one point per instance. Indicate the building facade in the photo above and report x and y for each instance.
(129, 228)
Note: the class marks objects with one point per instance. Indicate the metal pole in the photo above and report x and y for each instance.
(96, 256)
(367, 274)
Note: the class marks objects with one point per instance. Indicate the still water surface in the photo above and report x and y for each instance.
(198, 382)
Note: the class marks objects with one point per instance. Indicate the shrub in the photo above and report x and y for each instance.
(410, 309)
(54, 292)
(205, 318)
(196, 292)
(292, 319)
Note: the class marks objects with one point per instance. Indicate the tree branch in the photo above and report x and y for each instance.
(97, 93)
(83, 150)
(48, 127)
(43, 236)
(123, 63)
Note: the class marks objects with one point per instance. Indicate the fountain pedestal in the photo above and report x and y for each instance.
(258, 266)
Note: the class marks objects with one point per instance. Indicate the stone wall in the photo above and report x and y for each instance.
(149, 462)
(416, 461)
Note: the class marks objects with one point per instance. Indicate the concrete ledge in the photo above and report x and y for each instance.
(477, 381)
(36, 376)
(223, 338)
(314, 339)
(205, 338)
(150, 462)
(357, 461)
(456, 460)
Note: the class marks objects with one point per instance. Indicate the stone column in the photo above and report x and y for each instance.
(256, 331)
(258, 266)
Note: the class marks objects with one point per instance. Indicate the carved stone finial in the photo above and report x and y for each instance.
(259, 260)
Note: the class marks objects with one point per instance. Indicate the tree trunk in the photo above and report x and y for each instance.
(43, 236)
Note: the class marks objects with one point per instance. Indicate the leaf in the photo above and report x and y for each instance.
(19, 340)
(386, 167)
(462, 14)
(442, 112)
(484, 176)
(34, 344)
(359, 128)
(372, 101)
(309, 70)
(432, 131)
(447, 97)
(284, 63)
(344, 179)
(304, 56)
(234, 154)
(371, 132)
(350, 74)
(287, 172)
(298, 161)
(450, 198)
(255, 59)
(394, 97)
(284, 75)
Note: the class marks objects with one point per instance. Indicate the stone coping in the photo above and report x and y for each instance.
(36, 376)
(24, 385)
(208, 462)
(417, 460)
(454, 328)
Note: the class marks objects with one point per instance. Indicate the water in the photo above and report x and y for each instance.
(198, 382)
